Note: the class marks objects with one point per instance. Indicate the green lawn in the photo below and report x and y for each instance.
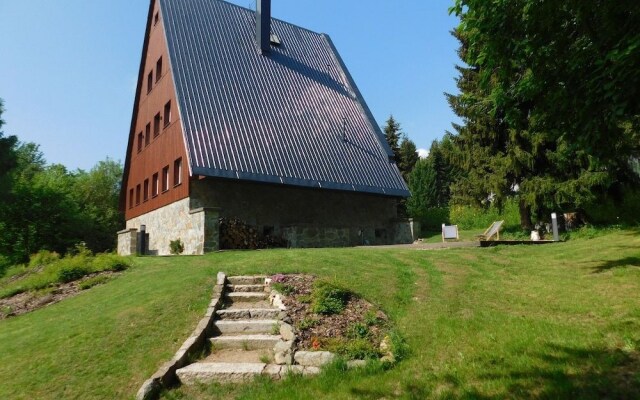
(553, 321)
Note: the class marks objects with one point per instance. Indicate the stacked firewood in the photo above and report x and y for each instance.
(236, 234)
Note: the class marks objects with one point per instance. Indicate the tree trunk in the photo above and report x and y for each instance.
(525, 216)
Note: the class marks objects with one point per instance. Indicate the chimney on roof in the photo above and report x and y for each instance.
(263, 25)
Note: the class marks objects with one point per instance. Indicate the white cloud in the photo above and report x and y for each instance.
(422, 153)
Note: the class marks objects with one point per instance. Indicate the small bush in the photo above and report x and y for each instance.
(283, 288)
(43, 258)
(110, 262)
(467, 217)
(73, 269)
(305, 298)
(176, 247)
(307, 323)
(328, 299)
(355, 349)
(371, 318)
(91, 282)
(433, 218)
(358, 331)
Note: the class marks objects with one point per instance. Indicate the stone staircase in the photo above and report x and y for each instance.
(247, 330)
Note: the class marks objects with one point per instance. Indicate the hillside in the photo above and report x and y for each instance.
(558, 321)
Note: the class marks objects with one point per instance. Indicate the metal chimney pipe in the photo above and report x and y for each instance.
(263, 25)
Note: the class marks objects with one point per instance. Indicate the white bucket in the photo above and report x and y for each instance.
(535, 236)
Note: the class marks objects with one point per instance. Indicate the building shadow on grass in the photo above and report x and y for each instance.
(576, 373)
(612, 264)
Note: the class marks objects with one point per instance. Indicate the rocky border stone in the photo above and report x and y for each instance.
(166, 376)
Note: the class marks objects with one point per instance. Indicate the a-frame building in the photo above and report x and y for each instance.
(241, 116)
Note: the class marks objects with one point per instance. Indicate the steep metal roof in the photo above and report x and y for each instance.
(292, 116)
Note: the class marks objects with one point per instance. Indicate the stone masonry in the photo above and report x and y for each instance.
(197, 229)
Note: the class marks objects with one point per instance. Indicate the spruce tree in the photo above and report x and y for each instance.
(393, 134)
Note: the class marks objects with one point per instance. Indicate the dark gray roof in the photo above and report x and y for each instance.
(293, 116)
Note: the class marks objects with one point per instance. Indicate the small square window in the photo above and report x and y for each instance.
(165, 178)
(155, 184)
(156, 125)
(167, 114)
(147, 135)
(140, 140)
(177, 172)
(149, 82)
(145, 192)
(130, 198)
(159, 69)
(138, 190)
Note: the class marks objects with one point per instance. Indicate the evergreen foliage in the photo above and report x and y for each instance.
(548, 116)
(430, 183)
(408, 154)
(393, 134)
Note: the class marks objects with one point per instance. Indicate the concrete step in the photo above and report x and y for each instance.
(218, 372)
(245, 288)
(246, 342)
(205, 373)
(240, 356)
(248, 313)
(246, 280)
(247, 296)
(246, 326)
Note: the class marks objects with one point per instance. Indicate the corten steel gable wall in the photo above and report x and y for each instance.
(163, 150)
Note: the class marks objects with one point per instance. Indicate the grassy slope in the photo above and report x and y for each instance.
(509, 322)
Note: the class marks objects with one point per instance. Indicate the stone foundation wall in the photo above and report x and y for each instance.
(304, 217)
(407, 231)
(127, 242)
(197, 229)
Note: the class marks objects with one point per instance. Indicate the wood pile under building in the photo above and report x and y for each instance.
(236, 234)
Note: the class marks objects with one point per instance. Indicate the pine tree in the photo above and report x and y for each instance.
(408, 154)
(393, 134)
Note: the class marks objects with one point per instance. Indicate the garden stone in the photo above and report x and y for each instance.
(286, 331)
(314, 358)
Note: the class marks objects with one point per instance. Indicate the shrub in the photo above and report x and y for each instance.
(73, 273)
(73, 268)
(307, 323)
(110, 262)
(328, 299)
(42, 258)
(283, 288)
(91, 282)
(5, 265)
(433, 218)
(371, 318)
(358, 331)
(607, 212)
(176, 247)
(355, 349)
(468, 217)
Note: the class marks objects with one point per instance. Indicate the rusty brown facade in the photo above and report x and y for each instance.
(157, 173)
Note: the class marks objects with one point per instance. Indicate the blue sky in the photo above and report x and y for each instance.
(68, 68)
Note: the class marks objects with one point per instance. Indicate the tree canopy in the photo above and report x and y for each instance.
(46, 207)
(549, 101)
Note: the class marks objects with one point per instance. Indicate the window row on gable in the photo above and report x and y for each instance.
(144, 139)
(158, 184)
